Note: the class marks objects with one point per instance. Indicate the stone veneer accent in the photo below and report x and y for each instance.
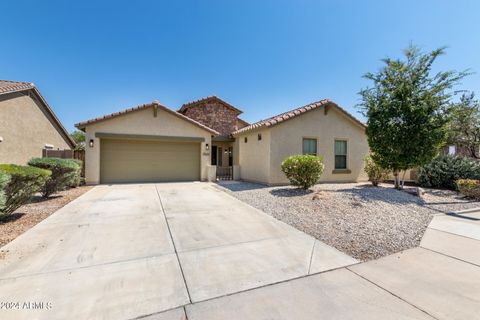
(215, 115)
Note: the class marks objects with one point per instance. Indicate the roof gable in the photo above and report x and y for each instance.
(9, 86)
(272, 121)
(153, 104)
(187, 105)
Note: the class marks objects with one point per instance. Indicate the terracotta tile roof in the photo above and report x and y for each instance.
(82, 125)
(7, 86)
(206, 99)
(293, 113)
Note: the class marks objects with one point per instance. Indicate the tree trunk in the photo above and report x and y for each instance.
(473, 152)
(396, 180)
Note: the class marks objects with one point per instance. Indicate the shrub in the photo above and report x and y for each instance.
(4, 179)
(24, 182)
(469, 188)
(303, 170)
(62, 173)
(75, 177)
(375, 173)
(443, 171)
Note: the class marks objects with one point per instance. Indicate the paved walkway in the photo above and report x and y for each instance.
(126, 251)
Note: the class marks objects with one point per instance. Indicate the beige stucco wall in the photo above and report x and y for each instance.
(261, 160)
(287, 139)
(143, 122)
(26, 128)
(254, 156)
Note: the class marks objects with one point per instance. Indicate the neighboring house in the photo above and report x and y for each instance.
(27, 124)
(206, 140)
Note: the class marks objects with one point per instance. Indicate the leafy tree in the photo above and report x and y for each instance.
(407, 110)
(464, 127)
(79, 138)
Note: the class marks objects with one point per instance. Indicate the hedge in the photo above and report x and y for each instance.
(303, 170)
(63, 173)
(4, 179)
(24, 182)
(443, 171)
(75, 177)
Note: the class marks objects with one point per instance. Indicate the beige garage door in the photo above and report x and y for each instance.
(148, 161)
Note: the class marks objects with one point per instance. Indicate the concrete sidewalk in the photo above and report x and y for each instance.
(439, 280)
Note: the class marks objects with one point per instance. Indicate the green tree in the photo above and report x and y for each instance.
(79, 138)
(464, 127)
(407, 110)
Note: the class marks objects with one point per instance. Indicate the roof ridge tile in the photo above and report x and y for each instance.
(268, 122)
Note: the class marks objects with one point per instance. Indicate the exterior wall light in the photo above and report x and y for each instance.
(207, 147)
(91, 143)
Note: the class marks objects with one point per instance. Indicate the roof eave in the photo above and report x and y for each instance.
(82, 125)
(58, 122)
(271, 122)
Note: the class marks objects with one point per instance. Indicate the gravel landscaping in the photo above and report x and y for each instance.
(356, 218)
(30, 214)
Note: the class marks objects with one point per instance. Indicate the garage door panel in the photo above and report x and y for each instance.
(148, 161)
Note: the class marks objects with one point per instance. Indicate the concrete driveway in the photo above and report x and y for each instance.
(172, 251)
(126, 251)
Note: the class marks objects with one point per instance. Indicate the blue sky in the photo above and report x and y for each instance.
(90, 58)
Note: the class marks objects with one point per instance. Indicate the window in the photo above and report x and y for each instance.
(259, 136)
(340, 154)
(246, 140)
(310, 146)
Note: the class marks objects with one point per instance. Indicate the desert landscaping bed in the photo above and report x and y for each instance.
(361, 220)
(38, 209)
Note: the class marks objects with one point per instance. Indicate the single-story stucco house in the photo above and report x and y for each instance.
(206, 140)
(28, 124)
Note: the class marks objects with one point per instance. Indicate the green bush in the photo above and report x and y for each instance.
(443, 171)
(469, 188)
(75, 177)
(24, 182)
(62, 172)
(303, 170)
(375, 173)
(4, 179)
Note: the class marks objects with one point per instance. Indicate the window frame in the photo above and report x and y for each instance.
(316, 145)
(335, 153)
